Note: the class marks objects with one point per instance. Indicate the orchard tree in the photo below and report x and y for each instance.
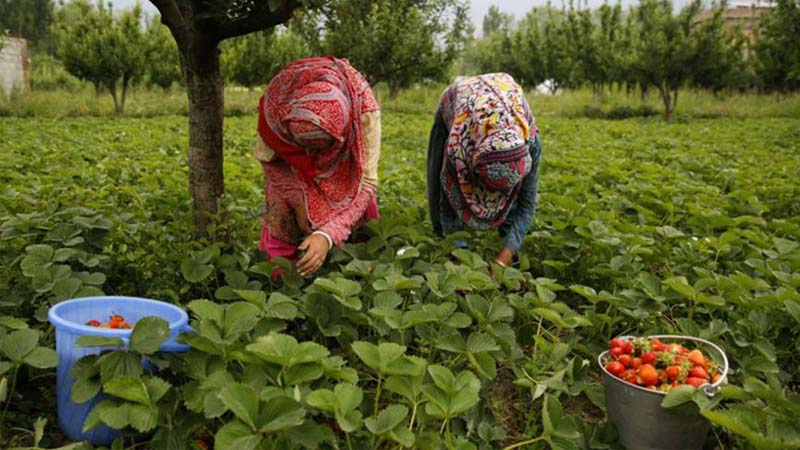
(517, 52)
(721, 63)
(777, 52)
(29, 19)
(163, 61)
(253, 60)
(495, 21)
(663, 52)
(198, 28)
(558, 60)
(394, 41)
(98, 47)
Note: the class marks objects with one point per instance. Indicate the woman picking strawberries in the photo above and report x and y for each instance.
(319, 145)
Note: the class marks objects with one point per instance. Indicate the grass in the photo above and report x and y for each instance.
(239, 101)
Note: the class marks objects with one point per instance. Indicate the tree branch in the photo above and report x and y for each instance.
(258, 20)
(172, 17)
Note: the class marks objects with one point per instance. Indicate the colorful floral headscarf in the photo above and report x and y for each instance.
(487, 154)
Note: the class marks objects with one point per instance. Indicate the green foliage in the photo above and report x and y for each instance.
(408, 40)
(28, 19)
(405, 340)
(252, 60)
(162, 57)
(777, 54)
(97, 46)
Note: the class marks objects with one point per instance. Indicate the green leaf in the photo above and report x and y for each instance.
(387, 419)
(243, 401)
(128, 388)
(344, 291)
(119, 364)
(479, 342)
(785, 246)
(678, 396)
(142, 418)
(793, 308)
(257, 298)
(240, 318)
(12, 323)
(38, 430)
(42, 358)
(206, 310)
(195, 271)
(388, 358)
(149, 334)
(98, 341)
(236, 436)
(280, 306)
(3, 390)
(85, 389)
(19, 343)
(284, 350)
(156, 388)
(280, 413)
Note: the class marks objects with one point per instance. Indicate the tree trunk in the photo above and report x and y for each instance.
(125, 82)
(393, 90)
(206, 106)
(667, 99)
(113, 89)
(675, 100)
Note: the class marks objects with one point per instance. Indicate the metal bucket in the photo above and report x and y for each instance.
(642, 423)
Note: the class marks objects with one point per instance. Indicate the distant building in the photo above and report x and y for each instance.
(744, 15)
(14, 65)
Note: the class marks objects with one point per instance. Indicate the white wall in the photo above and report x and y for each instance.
(13, 65)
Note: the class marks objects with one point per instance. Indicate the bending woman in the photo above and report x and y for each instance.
(319, 144)
(483, 160)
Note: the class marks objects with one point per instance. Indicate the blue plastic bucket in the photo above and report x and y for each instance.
(69, 319)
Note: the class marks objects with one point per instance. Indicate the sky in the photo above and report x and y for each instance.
(478, 8)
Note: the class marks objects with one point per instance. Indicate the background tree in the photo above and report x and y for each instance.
(720, 64)
(517, 52)
(394, 41)
(610, 44)
(29, 19)
(163, 62)
(254, 59)
(495, 21)
(663, 54)
(777, 52)
(198, 28)
(557, 58)
(105, 50)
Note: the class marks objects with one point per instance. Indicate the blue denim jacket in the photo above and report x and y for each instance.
(446, 221)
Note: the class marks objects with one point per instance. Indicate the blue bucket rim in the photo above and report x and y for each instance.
(60, 323)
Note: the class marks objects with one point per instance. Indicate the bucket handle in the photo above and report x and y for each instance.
(709, 389)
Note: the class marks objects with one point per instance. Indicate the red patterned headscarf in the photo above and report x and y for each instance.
(310, 116)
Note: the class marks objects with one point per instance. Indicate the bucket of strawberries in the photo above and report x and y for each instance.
(637, 372)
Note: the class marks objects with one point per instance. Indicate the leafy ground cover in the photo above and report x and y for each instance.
(405, 341)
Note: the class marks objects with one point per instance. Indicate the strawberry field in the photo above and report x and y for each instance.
(403, 341)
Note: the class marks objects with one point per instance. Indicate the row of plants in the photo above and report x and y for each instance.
(406, 341)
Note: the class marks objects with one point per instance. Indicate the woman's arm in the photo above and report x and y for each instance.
(516, 225)
(338, 229)
(443, 218)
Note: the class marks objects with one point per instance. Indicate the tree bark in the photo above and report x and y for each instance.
(206, 107)
(667, 99)
(113, 89)
(125, 82)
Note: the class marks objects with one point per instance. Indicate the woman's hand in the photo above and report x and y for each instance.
(316, 248)
(505, 257)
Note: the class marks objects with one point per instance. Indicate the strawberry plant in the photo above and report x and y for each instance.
(406, 340)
